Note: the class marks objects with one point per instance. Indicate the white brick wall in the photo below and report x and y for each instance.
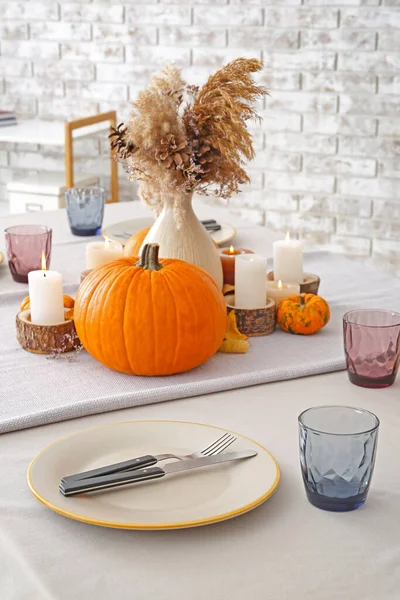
(328, 149)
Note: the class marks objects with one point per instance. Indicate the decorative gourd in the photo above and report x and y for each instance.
(133, 245)
(304, 314)
(150, 317)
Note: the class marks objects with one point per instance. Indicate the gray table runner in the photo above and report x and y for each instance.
(35, 391)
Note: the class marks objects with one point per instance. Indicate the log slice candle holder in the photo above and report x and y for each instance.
(253, 321)
(45, 339)
(310, 284)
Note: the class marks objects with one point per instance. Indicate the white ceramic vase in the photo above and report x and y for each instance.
(181, 235)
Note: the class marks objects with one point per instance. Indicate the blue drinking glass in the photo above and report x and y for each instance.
(337, 455)
(85, 210)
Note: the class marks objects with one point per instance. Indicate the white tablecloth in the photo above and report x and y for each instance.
(284, 550)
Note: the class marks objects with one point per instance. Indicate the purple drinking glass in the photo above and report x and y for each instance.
(371, 346)
(25, 244)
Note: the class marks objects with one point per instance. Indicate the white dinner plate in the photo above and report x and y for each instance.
(189, 499)
(122, 231)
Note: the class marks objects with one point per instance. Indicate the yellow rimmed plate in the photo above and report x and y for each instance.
(189, 499)
(121, 232)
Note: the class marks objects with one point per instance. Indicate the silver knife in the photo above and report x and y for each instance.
(118, 479)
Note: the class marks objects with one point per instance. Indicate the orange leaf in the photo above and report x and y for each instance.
(234, 346)
(234, 341)
(232, 332)
(228, 289)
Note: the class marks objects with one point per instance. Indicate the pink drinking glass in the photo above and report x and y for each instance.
(371, 345)
(25, 244)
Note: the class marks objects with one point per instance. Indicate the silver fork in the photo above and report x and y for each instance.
(218, 446)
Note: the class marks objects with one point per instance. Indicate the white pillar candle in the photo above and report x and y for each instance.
(46, 296)
(278, 291)
(288, 260)
(101, 253)
(250, 276)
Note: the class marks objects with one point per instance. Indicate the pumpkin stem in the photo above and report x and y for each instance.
(149, 258)
(302, 299)
(142, 261)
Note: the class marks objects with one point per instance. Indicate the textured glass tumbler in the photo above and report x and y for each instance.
(25, 244)
(85, 210)
(337, 455)
(371, 346)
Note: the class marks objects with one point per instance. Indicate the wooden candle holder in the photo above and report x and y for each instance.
(310, 283)
(253, 321)
(45, 339)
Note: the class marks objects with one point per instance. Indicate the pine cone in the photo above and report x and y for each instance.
(204, 155)
(173, 152)
(119, 143)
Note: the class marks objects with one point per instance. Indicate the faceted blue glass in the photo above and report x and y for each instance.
(85, 209)
(337, 455)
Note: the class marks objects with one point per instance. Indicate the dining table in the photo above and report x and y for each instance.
(285, 549)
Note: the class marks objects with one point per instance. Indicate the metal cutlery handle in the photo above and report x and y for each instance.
(133, 463)
(103, 483)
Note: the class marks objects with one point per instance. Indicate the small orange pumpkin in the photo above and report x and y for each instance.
(304, 314)
(133, 245)
(69, 314)
(68, 303)
(150, 317)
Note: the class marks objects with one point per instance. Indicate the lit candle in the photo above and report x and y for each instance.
(101, 253)
(278, 291)
(228, 262)
(288, 260)
(250, 275)
(46, 296)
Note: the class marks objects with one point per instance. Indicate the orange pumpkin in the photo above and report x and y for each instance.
(304, 314)
(150, 317)
(68, 302)
(133, 245)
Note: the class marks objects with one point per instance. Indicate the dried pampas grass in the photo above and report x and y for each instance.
(180, 137)
(218, 119)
